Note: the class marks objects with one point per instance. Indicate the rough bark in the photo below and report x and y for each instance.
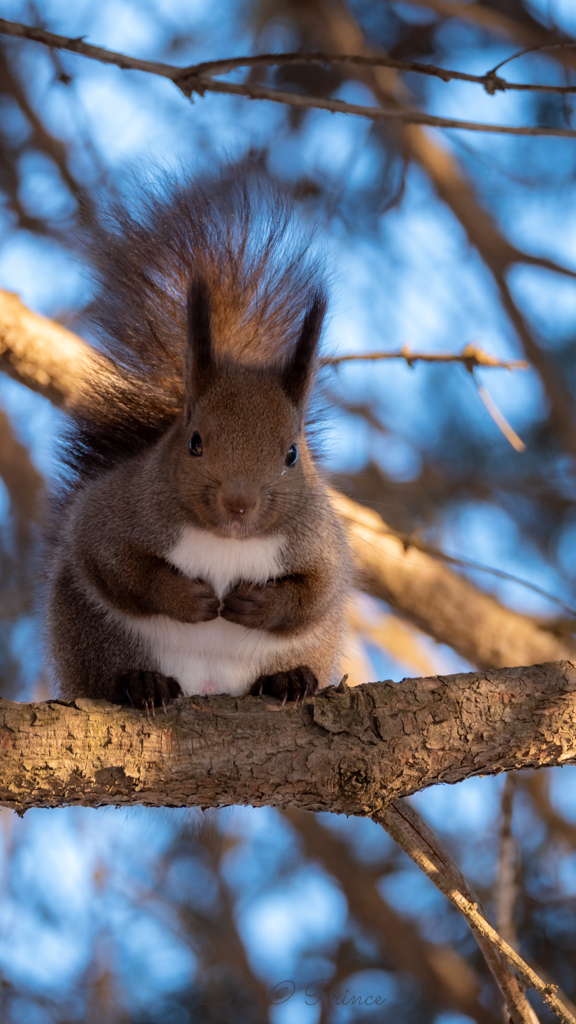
(58, 364)
(346, 750)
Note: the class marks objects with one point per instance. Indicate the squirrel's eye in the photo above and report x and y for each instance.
(195, 444)
(292, 455)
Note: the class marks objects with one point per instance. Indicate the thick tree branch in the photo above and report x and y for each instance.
(42, 354)
(438, 601)
(346, 750)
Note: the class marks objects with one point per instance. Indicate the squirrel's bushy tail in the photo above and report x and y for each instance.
(238, 232)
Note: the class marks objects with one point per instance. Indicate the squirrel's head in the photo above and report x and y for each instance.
(242, 456)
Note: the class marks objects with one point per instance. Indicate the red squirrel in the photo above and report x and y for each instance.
(194, 549)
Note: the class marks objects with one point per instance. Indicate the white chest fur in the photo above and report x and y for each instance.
(217, 656)
(223, 561)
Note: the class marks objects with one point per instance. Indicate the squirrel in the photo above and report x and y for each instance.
(193, 548)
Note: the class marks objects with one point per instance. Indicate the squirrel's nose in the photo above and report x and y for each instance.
(238, 501)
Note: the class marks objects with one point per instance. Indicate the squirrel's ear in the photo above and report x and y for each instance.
(298, 374)
(199, 361)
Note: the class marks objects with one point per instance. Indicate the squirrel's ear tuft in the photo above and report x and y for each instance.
(199, 361)
(299, 371)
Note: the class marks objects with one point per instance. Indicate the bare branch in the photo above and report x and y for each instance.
(402, 830)
(499, 418)
(417, 828)
(470, 357)
(443, 973)
(491, 82)
(190, 83)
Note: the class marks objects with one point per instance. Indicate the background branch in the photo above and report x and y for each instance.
(470, 357)
(405, 832)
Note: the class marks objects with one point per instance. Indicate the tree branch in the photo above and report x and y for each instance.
(189, 82)
(445, 977)
(345, 750)
(470, 357)
(405, 830)
(403, 818)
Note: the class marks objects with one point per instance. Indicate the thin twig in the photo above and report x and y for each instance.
(190, 82)
(500, 420)
(490, 81)
(534, 49)
(405, 826)
(470, 357)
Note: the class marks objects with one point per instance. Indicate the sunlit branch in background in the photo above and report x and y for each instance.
(500, 420)
(403, 824)
(470, 357)
(410, 540)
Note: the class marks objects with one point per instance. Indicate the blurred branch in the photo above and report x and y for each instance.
(446, 978)
(190, 82)
(345, 750)
(470, 357)
(532, 34)
(506, 889)
(23, 482)
(410, 540)
(438, 601)
(58, 364)
(538, 788)
(499, 418)
(42, 354)
(44, 140)
(416, 838)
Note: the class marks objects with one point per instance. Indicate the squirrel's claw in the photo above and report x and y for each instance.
(146, 690)
(287, 686)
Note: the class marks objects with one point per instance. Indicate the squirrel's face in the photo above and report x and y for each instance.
(241, 455)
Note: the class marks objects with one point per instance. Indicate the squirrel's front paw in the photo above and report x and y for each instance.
(146, 690)
(203, 601)
(294, 685)
(252, 605)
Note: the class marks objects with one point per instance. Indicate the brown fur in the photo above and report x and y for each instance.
(211, 315)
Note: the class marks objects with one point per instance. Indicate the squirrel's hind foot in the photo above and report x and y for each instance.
(146, 690)
(294, 685)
